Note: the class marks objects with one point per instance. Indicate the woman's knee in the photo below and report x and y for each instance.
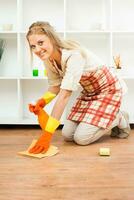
(86, 134)
(68, 130)
(82, 140)
(68, 136)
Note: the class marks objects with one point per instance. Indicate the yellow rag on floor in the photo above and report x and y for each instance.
(51, 151)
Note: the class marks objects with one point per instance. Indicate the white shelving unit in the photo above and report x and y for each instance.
(103, 26)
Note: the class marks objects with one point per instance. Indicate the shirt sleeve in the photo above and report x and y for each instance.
(73, 73)
(54, 78)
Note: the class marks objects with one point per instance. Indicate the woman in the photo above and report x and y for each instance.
(96, 110)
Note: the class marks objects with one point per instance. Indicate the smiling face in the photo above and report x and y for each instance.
(41, 45)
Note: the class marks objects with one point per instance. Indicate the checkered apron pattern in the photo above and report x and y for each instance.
(100, 99)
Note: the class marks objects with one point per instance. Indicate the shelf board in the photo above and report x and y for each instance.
(74, 31)
(33, 78)
(85, 31)
(117, 31)
(23, 78)
(8, 78)
(8, 32)
(25, 31)
(45, 78)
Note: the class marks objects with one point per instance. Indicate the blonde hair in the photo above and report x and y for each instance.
(40, 27)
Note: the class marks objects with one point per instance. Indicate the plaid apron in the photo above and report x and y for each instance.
(99, 100)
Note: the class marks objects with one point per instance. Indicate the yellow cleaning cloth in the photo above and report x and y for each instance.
(51, 151)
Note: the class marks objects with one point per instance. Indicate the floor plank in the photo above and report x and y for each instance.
(76, 173)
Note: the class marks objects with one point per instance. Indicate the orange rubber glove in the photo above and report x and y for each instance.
(47, 97)
(44, 141)
(42, 118)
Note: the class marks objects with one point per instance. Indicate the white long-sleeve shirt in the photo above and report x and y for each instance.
(73, 66)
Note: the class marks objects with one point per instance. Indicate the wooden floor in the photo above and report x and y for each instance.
(76, 173)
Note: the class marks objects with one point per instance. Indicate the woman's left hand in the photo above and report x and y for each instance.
(43, 143)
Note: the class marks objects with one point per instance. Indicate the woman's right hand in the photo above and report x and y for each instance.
(36, 108)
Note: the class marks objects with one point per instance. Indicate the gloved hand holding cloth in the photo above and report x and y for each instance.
(44, 141)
